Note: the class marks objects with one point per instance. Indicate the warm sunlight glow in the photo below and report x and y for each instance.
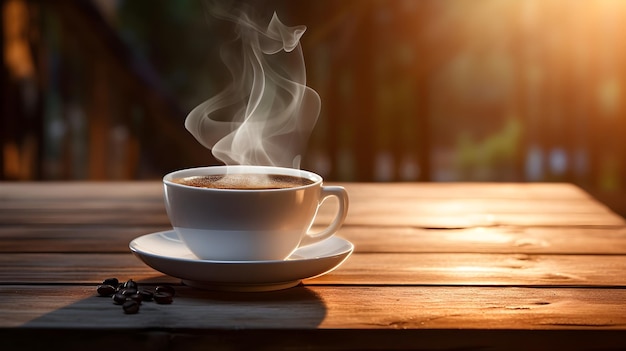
(541, 80)
(482, 235)
(472, 269)
(410, 90)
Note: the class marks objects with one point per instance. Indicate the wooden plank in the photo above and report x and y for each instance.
(358, 214)
(153, 189)
(416, 204)
(479, 269)
(474, 308)
(456, 213)
(460, 215)
(82, 204)
(432, 205)
(516, 240)
(321, 318)
(360, 269)
(458, 190)
(115, 190)
(67, 238)
(506, 239)
(418, 198)
(74, 268)
(116, 216)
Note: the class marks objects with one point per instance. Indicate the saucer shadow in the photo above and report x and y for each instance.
(298, 307)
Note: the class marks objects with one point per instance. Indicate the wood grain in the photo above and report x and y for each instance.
(500, 239)
(378, 269)
(506, 266)
(325, 307)
(414, 204)
(322, 317)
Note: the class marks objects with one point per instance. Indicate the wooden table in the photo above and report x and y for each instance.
(436, 266)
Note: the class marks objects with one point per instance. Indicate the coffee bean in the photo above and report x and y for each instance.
(105, 290)
(165, 289)
(135, 297)
(111, 281)
(130, 284)
(119, 298)
(163, 298)
(130, 307)
(128, 291)
(147, 295)
(130, 296)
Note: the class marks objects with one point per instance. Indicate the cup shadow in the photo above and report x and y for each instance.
(96, 321)
(297, 307)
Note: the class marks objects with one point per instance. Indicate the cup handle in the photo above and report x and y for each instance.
(342, 195)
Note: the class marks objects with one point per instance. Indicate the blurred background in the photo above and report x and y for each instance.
(412, 90)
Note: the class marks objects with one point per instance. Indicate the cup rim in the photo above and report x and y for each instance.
(240, 169)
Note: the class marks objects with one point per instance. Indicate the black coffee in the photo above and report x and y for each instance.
(244, 181)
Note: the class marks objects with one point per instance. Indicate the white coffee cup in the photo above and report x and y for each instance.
(251, 224)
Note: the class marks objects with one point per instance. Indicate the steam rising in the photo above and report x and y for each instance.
(266, 114)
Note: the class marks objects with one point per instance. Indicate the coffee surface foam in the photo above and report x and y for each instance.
(244, 181)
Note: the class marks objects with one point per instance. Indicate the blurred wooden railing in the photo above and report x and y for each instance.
(411, 90)
(96, 111)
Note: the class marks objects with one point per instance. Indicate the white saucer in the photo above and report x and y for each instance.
(165, 252)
